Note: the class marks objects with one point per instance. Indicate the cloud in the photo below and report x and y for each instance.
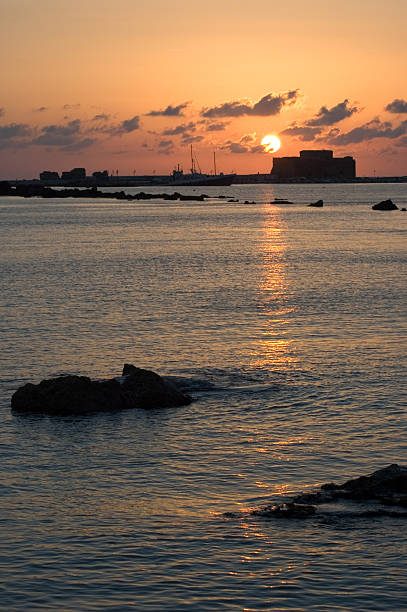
(398, 106)
(330, 116)
(216, 127)
(71, 106)
(41, 109)
(246, 144)
(165, 147)
(170, 111)
(267, 106)
(14, 130)
(184, 128)
(129, 125)
(302, 132)
(402, 142)
(59, 135)
(236, 147)
(188, 139)
(272, 105)
(101, 117)
(79, 145)
(369, 131)
(228, 109)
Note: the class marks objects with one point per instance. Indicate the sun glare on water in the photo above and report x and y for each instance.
(271, 143)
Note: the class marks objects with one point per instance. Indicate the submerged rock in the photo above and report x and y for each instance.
(385, 205)
(137, 388)
(317, 204)
(387, 486)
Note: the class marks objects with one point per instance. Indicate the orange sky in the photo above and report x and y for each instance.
(81, 79)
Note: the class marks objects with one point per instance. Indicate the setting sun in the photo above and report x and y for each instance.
(271, 143)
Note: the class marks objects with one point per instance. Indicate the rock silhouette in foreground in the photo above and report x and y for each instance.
(136, 388)
(385, 205)
(317, 204)
(387, 486)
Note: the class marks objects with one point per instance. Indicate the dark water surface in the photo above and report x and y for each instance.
(288, 326)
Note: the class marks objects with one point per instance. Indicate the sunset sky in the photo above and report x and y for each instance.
(130, 84)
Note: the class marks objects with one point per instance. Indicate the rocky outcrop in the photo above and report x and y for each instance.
(317, 204)
(385, 205)
(37, 190)
(136, 388)
(387, 487)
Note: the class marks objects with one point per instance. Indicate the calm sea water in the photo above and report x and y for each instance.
(288, 326)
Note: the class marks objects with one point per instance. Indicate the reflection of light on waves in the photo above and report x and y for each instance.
(274, 348)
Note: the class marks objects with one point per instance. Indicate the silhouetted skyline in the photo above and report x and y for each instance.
(132, 87)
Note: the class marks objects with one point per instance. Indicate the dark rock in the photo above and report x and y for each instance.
(318, 204)
(5, 188)
(146, 389)
(40, 191)
(404, 209)
(79, 394)
(286, 510)
(390, 483)
(68, 395)
(387, 487)
(385, 205)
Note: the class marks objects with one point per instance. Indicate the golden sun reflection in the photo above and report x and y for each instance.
(274, 348)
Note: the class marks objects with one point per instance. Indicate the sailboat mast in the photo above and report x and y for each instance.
(214, 163)
(192, 162)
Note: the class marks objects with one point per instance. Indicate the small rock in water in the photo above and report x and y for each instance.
(317, 204)
(385, 205)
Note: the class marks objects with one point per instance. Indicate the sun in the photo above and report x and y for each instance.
(271, 143)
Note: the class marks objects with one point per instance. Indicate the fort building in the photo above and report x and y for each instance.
(314, 164)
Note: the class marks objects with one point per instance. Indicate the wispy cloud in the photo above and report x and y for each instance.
(184, 128)
(369, 131)
(79, 145)
(129, 125)
(170, 111)
(14, 130)
(398, 106)
(59, 135)
(41, 109)
(246, 144)
(71, 106)
(165, 147)
(268, 105)
(302, 132)
(330, 116)
(216, 127)
(101, 117)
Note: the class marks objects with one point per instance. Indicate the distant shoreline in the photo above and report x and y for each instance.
(163, 181)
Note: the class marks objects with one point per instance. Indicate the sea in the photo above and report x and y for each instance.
(287, 326)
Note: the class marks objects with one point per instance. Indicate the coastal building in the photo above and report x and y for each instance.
(313, 164)
(47, 175)
(74, 174)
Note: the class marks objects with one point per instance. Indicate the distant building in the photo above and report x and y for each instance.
(47, 175)
(314, 165)
(74, 174)
(99, 174)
